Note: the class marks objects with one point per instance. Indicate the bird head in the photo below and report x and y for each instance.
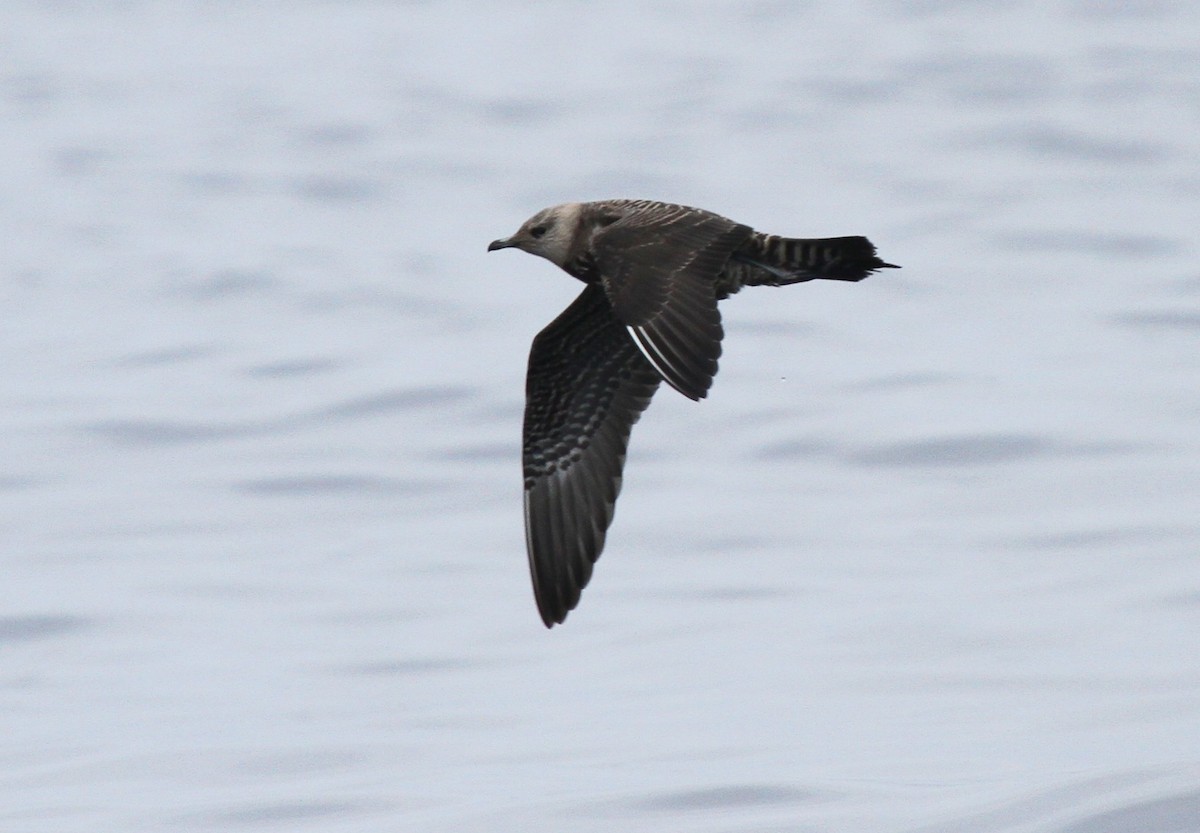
(548, 234)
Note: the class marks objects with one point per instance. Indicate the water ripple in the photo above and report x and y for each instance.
(1098, 537)
(980, 449)
(1117, 245)
(1170, 814)
(338, 189)
(25, 628)
(1161, 320)
(410, 667)
(728, 797)
(224, 284)
(325, 484)
(400, 399)
(286, 812)
(152, 432)
(293, 367)
(1051, 142)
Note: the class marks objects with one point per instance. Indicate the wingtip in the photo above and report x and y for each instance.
(551, 617)
(551, 606)
(552, 609)
(692, 394)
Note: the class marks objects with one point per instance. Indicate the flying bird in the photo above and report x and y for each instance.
(653, 274)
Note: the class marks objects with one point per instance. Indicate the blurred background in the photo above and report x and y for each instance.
(926, 560)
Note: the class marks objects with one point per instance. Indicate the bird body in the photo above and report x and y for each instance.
(654, 273)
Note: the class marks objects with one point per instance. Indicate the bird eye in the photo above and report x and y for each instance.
(537, 231)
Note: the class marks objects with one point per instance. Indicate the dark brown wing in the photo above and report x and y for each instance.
(587, 385)
(659, 265)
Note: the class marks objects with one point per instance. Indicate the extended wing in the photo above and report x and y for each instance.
(586, 386)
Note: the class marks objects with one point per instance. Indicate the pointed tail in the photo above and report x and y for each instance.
(789, 260)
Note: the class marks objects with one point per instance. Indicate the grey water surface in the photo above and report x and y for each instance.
(926, 560)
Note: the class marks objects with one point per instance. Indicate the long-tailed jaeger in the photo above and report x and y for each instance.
(654, 273)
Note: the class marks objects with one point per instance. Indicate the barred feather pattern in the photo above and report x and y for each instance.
(771, 260)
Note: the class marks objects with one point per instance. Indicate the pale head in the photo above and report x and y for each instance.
(548, 234)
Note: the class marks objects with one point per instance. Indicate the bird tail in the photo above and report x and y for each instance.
(786, 260)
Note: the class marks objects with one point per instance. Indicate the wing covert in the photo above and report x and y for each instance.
(659, 265)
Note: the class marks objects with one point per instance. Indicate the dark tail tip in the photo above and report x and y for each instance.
(851, 259)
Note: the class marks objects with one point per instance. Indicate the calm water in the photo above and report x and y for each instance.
(927, 560)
